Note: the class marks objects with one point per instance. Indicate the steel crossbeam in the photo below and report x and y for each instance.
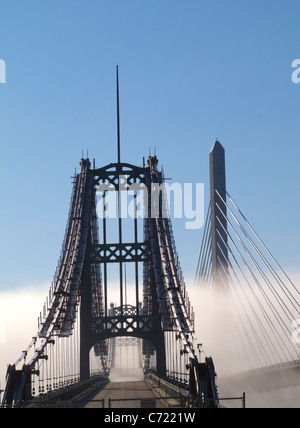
(116, 253)
(120, 326)
(111, 174)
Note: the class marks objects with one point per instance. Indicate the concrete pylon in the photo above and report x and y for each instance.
(218, 221)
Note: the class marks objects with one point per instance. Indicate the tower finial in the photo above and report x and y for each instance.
(118, 117)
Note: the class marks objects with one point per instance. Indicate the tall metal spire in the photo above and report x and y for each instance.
(118, 117)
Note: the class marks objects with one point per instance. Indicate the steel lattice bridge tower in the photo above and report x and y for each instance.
(78, 308)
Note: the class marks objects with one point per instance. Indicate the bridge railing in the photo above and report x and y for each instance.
(233, 402)
(166, 386)
(185, 399)
(65, 394)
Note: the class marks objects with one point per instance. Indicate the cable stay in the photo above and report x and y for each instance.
(263, 299)
(265, 247)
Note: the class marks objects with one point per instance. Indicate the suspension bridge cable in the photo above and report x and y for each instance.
(207, 272)
(277, 297)
(280, 300)
(207, 250)
(254, 312)
(265, 247)
(203, 274)
(264, 312)
(240, 318)
(269, 321)
(283, 287)
(271, 288)
(206, 228)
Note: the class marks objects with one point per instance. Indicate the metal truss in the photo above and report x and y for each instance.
(116, 326)
(120, 253)
(110, 175)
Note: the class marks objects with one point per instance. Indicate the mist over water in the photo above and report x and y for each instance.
(222, 329)
(19, 312)
(217, 328)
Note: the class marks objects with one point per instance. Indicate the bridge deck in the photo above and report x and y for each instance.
(127, 395)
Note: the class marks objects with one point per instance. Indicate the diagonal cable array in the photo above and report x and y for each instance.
(204, 265)
(264, 301)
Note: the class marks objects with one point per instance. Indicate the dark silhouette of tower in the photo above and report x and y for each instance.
(218, 214)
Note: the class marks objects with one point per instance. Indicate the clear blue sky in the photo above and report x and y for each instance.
(191, 71)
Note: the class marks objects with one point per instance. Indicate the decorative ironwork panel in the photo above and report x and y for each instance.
(110, 175)
(117, 326)
(120, 253)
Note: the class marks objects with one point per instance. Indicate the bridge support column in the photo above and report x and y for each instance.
(218, 221)
(161, 363)
(85, 323)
